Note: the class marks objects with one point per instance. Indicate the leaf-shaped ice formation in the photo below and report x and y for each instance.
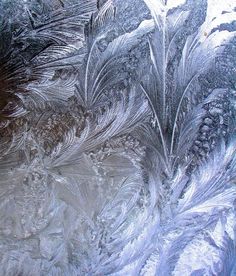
(117, 137)
(199, 51)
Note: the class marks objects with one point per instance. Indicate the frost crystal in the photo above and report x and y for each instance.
(117, 137)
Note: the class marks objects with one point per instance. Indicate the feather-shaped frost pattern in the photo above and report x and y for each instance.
(115, 121)
(199, 53)
(101, 67)
(117, 137)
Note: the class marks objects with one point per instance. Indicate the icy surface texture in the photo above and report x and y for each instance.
(117, 137)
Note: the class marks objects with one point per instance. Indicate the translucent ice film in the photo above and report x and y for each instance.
(117, 137)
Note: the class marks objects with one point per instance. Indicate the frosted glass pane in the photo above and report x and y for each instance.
(117, 137)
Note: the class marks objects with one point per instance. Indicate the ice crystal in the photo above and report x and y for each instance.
(117, 137)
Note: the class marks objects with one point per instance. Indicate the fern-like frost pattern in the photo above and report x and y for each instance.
(117, 137)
